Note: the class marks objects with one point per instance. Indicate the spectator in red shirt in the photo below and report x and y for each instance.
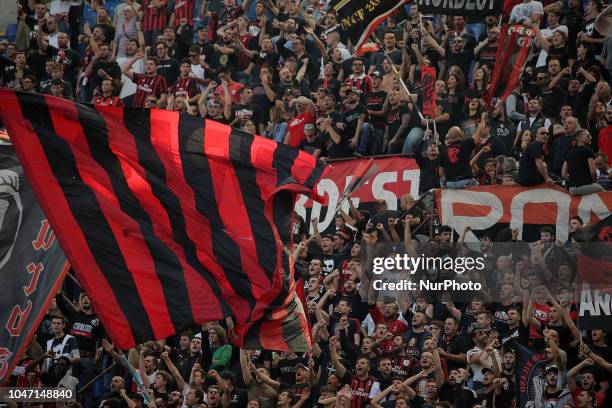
(148, 83)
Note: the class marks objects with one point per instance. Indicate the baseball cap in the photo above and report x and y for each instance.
(201, 28)
(376, 74)
(485, 369)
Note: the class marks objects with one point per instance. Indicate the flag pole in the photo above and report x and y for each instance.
(382, 47)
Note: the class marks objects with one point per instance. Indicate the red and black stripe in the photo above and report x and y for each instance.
(154, 18)
(183, 9)
(168, 220)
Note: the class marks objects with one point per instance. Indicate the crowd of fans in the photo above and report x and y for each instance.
(285, 70)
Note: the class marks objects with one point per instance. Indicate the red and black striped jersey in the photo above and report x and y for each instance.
(185, 87)
(403, 366)
(146, 85)
(183, 9)
(154, 18)
(361, 390)
(362, 85)
(107, 101)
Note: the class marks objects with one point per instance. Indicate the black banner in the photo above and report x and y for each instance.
(32, 263)
(359, 18)
(467, 8)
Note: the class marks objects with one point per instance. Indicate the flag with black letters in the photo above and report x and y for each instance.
(167, 219)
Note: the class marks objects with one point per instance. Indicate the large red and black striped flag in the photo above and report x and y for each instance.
(168, 220)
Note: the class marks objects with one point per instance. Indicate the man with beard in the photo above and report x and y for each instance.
(532, 170)
(389, 316)
(548, 390)
(184, 360)
(587, 382)
(402, 364)
(62, 53)
(85, 326)
(454, 346)
(117, 389)
(482, 351)
(59, 375)
(384, 372)
(358, 132)
(454, 390)
(397, 120)
(363, 386)
(518, 327)
(417, 333)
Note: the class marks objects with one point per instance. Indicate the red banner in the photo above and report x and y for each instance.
(514, 45)
(428, 81)
(484, 207)
(396, 176)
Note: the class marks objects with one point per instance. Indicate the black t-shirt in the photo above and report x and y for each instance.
(169, 69)
(248, 111)
(394, 119)
(578, 166)
(310, 147)
(461, 397)
(487, 54)
(375, 101)
(69, 58)
(458, 344)
(351, 117)
(528, 173)
(456, 160)
(462, 59)
(518, 334)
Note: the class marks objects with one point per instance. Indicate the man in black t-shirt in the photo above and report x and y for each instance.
(168, 67)
(397, 118)
(456, 172)
(375, 99)
(357, 129)
(579, 167)
(517, 330)
(311, 143)
(532, 170)
(246, 109)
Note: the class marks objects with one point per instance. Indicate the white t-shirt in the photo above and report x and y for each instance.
(477, 367)
(129, 87)
(546, 32)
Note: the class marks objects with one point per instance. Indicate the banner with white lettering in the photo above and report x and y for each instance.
(484, 208)
(32, 264)
(468, 8)
(395, 177)
(359, 18)
(594, 264)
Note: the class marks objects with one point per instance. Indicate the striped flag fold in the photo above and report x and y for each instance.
(168, 220)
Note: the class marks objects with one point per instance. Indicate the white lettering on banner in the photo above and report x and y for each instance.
(592, 204)
(332, 190)
(477, 222)
(326, 188)
(380, 193)
(515, 200)
(594, 304)
(561, 200)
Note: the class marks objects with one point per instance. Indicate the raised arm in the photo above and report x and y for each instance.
(180, 382)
